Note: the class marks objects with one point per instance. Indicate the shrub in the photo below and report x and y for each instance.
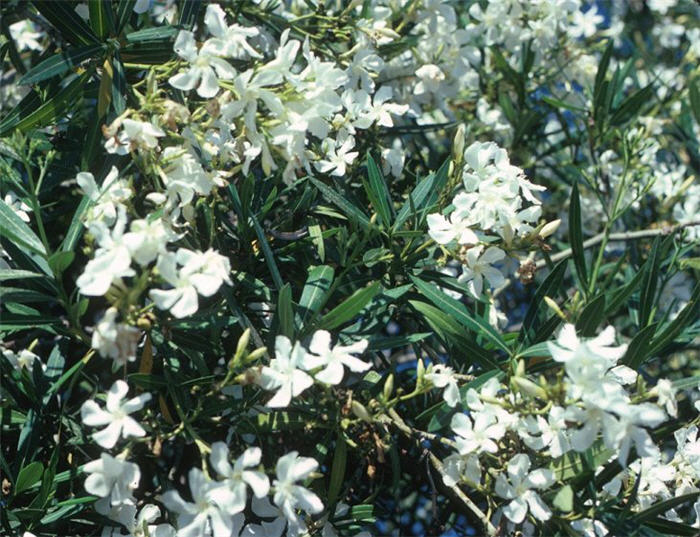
(329, 268)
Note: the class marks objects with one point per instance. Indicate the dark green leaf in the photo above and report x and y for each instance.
(338, 465)
(349, 308)
(125, 9)
(60, 63)
(639, 348)
(349, 210)
(313, 296)
(649, 283)
(267, 253)
(378, 192)
(423, 196)
(153, 34)
(694, 95)
(591, 317)
(576, 236)
(51, 110)
(548, 287)
(285, 314)
(29, 475)
(101, 17)
(458, 311)
(62, 16)
(16, 230)
(677, 325)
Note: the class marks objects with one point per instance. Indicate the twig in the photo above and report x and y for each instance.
(401, 425)
(593, 241)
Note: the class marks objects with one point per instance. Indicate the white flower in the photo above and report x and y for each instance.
(147, 239)
(479, 436)
(379, 110)
(230, 494)
(538, 433)
(263, 508)
(202, 517)
(230, 41)
(462, 469)
(200, 272)
(443, 376)
(666, 394)
(478, 266)
(113, 480)
(518, 487)
(18, 206)
(284, 373)
(114, 340)
(134, 135)
(332, 359)
(107, 197)
(137, 525)
(289, 496)
(444, 231)
(24, 359)
(115, 416)
(25, 36)
(585, 24)
(112, 259)
(337, 160)
(204, 68)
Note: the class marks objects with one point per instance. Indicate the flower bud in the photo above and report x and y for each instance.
(528, 387)
(360, 411)
(549, 228)
(388, 387)
(458, 144)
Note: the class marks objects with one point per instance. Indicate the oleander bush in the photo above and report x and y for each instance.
(369, 267)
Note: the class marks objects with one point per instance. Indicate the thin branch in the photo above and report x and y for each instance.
(401, 425)
(593, 241)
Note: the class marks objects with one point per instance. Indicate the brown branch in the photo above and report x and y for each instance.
(597, 239)
(401, 425)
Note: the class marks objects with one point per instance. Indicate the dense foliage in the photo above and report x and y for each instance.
(339, 268)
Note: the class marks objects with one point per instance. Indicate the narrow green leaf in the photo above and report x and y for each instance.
(75, 230)
(465, 351)
(349, 210)
(17, 274)
(64, 18)
(576, 236)
(591, 316)
(423, 196)
(458, 311)
(285, 314)
(350, 307)
(60, 63)
(631, 107)
(619, 296)
(549, 286)
(16, 230)
(101, 17)
(28, 475)
(125, 9)
(639, 348)
(687, 315)
(694, 95)
(313, 296)
(340, 459)
(377, 192)
(649, 283)
(188, 13)
(153, 34)
(52, 109)
(602, 71)
(267, 253)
